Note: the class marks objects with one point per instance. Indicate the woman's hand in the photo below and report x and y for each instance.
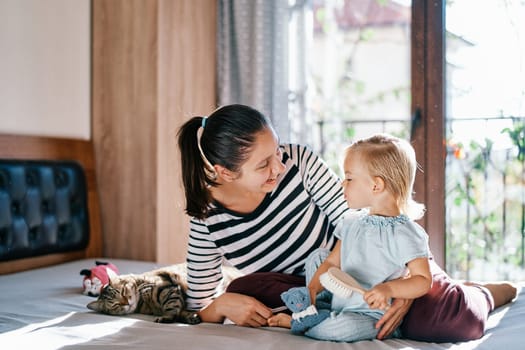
(393, 317)
(241, 309)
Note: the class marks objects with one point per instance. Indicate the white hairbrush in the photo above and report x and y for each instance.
(340, 283)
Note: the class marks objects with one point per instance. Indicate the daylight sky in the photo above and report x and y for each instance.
(492, 72)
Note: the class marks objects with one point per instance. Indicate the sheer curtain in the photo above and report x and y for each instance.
(252, 57)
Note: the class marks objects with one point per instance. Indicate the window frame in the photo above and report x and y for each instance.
(428, 116)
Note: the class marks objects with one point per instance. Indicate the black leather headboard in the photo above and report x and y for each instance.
(43, 208)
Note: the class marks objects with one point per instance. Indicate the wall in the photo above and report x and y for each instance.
(153, 68)
(45, 68)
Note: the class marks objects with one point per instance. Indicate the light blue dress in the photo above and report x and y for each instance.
(374, 249)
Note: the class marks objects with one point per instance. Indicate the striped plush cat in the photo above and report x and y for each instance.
(159, 292)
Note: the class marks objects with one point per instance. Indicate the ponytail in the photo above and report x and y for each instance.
(194, 170)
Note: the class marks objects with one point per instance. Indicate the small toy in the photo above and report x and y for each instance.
(96, 278)
(304, 314)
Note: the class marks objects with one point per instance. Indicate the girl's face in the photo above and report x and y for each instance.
(261, 170)
(358, 185)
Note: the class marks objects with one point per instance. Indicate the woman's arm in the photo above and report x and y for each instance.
(321, 182)
(238, 308)
(203, 266)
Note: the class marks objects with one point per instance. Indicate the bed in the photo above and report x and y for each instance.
(41, 300)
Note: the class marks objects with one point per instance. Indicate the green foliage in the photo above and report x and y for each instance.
(350, 133)
(367, 34)
(487, 216)
(517, 135)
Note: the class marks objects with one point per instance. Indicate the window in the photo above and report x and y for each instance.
(485, 169)
(431, 73)
(355, 76)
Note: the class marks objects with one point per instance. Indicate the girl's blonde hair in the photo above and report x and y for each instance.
(393, 160)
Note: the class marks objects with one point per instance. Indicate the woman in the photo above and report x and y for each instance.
(259, 206)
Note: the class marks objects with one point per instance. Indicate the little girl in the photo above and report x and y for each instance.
(380, 246)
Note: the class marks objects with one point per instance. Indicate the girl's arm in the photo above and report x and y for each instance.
(416, 285)
(333, 259)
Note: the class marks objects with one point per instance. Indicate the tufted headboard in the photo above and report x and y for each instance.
(49, 210)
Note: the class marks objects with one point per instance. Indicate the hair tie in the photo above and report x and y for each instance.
(208, 167)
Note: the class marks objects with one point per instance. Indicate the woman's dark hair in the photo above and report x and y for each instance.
(227, 137)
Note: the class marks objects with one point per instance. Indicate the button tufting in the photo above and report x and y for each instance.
(43, 208)
(15, 208)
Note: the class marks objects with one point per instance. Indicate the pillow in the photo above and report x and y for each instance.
(265, 286)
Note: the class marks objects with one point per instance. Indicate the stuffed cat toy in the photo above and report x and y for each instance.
(304, 314)
(96, 278)
(159, 292)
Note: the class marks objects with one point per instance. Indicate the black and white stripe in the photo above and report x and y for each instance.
(293, 220)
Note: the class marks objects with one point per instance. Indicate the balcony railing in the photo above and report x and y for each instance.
(485, 189)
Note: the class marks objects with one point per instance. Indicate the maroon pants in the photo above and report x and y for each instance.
(449, 312)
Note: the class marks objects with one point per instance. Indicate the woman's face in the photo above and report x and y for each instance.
(261, 170)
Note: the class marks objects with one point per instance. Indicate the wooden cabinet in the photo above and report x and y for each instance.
(153, 68)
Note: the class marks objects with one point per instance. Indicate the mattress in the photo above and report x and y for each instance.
(44, 308)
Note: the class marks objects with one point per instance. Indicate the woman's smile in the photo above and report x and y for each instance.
(272, 181)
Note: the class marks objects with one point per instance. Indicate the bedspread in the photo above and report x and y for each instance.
(44, 308)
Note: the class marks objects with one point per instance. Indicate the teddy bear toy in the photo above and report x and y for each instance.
(304, 314)
(96, 278)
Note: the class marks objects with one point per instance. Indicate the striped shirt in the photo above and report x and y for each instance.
(297, 217)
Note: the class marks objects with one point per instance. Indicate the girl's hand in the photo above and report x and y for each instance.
(379, 297)
(393, 317)
(241, 309)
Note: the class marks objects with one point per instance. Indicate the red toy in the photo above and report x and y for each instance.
(96, 278)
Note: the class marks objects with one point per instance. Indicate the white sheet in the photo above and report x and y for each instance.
(44, 309)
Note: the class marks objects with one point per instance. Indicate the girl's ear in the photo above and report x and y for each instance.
(224, 173)
(379, 184)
